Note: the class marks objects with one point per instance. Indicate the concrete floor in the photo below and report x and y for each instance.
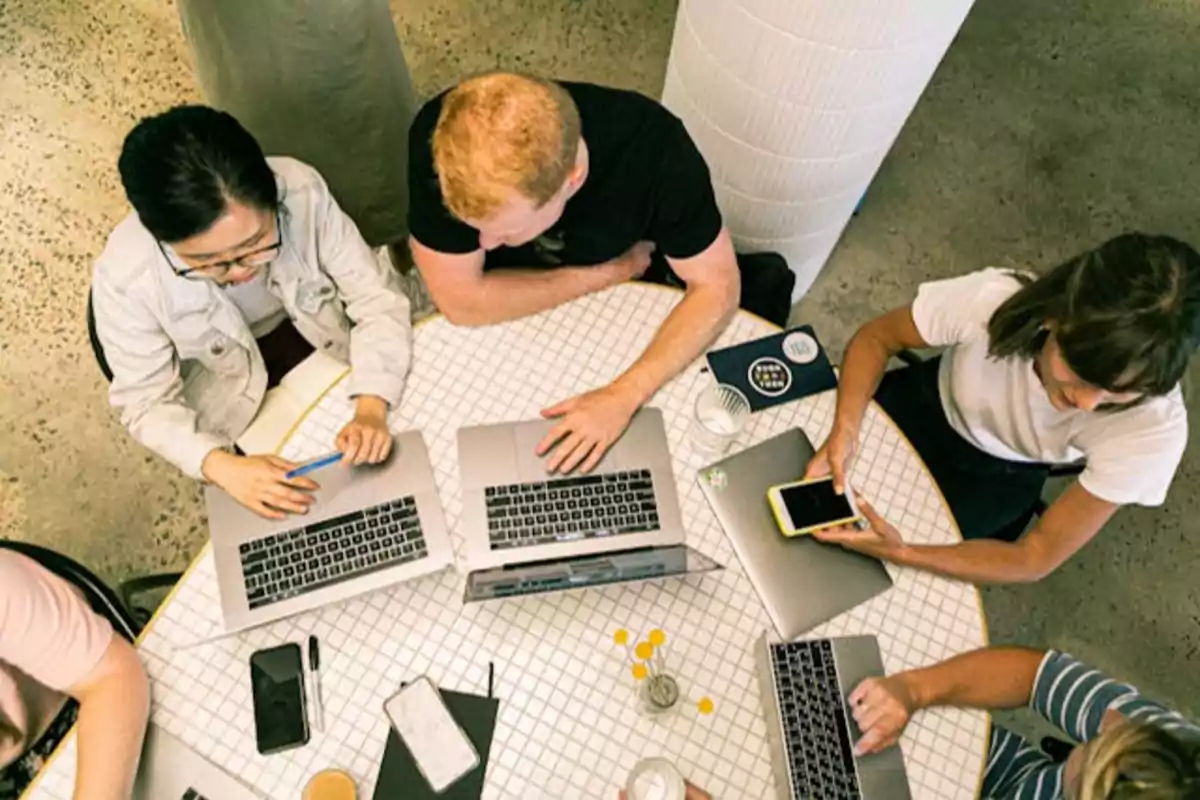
(1047, 128)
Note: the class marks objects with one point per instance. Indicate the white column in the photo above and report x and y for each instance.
(795, 103)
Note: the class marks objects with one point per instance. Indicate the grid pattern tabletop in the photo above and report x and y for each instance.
(568, 725)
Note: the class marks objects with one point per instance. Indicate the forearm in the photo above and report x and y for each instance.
(990, 678)
(112, 723)
(690, 327)
(170, 429)
(862, 369)
(508, 294)
(973, 561)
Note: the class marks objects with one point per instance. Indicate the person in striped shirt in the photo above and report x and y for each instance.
(1131, 747)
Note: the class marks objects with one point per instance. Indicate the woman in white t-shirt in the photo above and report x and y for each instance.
(1079, 366)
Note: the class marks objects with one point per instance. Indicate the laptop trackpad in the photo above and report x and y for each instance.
(530, 467)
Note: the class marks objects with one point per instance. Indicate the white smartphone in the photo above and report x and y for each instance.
(807, 506)
(440, 748)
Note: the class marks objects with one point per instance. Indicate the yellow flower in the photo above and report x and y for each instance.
(644, 650)
(657, 638)
(705, 705)
(621, 636)
(639, 672)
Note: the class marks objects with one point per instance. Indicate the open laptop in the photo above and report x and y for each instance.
(371, 527)
(811, 732)
(530, 531)
(170, 770)
(800, 581)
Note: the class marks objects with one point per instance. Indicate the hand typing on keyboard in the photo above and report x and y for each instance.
(882, 708)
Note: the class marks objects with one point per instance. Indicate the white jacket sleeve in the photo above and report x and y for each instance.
(147, 388)
(381, 340)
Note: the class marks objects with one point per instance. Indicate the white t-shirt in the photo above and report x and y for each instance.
(1001, 406)
(263, 311)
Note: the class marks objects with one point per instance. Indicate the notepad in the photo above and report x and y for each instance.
(284, 406)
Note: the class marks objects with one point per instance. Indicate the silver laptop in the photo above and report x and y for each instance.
(170, 770)
(516, 512)
(811, 732)
(800, 581)
(371, 527)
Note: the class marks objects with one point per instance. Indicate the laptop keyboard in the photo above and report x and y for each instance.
(569, 509)
(820, 756)
(293, 562)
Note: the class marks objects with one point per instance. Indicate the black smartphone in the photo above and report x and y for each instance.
(280, 704)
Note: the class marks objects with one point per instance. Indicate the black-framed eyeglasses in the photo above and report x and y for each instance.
(252, 260)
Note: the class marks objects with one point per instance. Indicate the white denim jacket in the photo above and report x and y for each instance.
(188, 376)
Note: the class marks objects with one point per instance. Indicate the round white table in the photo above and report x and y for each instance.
(568, 725)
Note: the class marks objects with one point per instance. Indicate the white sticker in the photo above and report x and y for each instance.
(800, 348)
(769, 376)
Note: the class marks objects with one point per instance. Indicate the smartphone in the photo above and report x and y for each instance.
(280, 705)
(440, 748)
(807, 506)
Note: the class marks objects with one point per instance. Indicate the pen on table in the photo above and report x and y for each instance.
(312, 466)
(491, 677)
(314, 666)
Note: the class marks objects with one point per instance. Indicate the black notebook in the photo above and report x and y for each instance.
(775, 369)
(399, 778)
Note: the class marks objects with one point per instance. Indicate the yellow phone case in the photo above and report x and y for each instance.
(777, 512)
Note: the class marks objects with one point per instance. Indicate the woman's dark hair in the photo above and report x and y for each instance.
(1126, 315)
(181, 168)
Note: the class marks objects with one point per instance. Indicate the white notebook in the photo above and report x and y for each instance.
(286, 404)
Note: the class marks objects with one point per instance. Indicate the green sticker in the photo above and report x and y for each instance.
(716, 478)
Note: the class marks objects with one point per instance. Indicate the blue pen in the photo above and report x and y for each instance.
(313, 466)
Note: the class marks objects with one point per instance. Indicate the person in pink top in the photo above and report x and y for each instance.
(61, 663)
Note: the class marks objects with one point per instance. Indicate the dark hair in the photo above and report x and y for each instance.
(1125, 315)
(181, 168)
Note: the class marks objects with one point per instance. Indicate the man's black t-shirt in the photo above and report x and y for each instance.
(646, 181)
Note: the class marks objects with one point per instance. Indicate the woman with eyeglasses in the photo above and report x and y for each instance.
(232, 269)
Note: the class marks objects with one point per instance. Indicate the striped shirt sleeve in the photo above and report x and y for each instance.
(1074, 697)
(1016, 770)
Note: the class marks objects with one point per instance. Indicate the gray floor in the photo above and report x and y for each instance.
(1047, 128)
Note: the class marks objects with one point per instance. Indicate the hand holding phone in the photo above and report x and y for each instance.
(811, 505)
(441, 749)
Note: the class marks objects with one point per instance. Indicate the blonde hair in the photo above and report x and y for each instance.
(502, 132)
(1134, 760)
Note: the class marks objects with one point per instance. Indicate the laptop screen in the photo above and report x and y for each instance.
(579, 572)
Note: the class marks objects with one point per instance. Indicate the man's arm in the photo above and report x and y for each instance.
(589, 423)
(711, 298)
(1069, 524)
(467, 295)
(114, 705)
